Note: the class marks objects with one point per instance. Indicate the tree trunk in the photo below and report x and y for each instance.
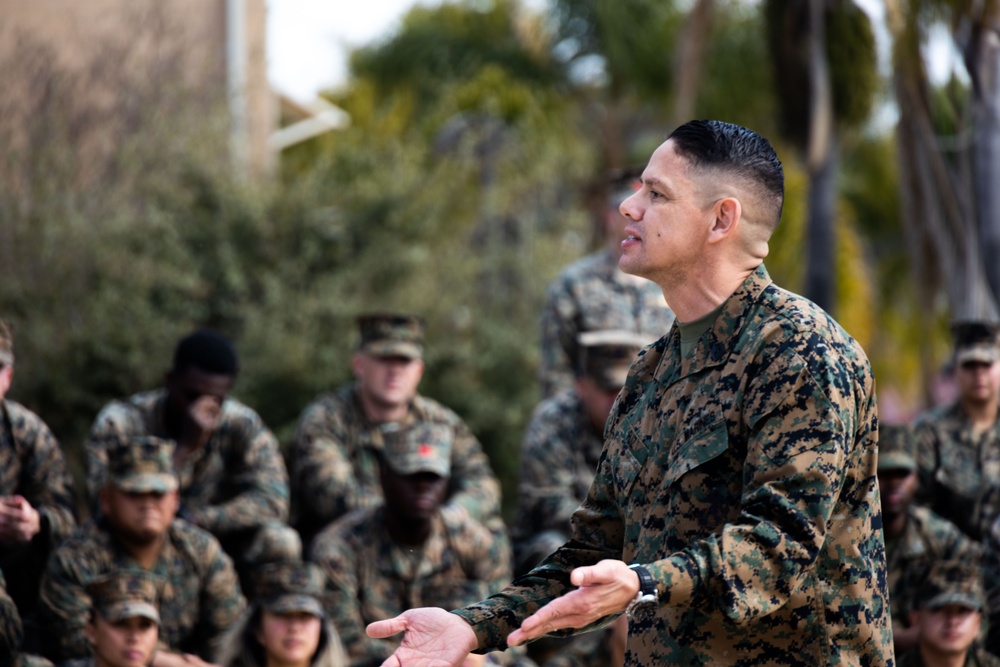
(690, 58)
(986, 150)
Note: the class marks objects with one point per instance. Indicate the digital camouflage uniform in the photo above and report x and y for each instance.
(199, 600)
(233, 487)
(591, 294)
(370, 577)
(11, 632)
(32, 465)
(959, 472)
(559, 456)
(744, 477)
(334, 461)
(926, 539)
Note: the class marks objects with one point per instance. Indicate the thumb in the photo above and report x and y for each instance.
(386, 628)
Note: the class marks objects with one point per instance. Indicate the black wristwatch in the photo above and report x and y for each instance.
(643, 606)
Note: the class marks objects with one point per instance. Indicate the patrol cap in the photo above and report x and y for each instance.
(951, 582)
(895, 449)
(607, 354)
(6, 343)
(975, 342)
(125, 594)
(392, 335)
(142, 464)
(419, 447)
(287, 587)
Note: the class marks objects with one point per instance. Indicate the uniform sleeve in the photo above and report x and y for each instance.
(547, 496)
(925, 448)
(558, 343)
(221, 600)
(323, 479)
(11, 632)
(339, 562)
(115, 420)
(64, 606)
(45, 481)
(255, 473)
(473, 486)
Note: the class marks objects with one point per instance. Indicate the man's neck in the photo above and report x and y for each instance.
(982, 415)
(145, 554)
(408, 533)
(703, 293)
(894, 525)
(379, 413)
(934, 658)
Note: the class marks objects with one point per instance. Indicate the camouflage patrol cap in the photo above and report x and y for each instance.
(142, 464)
(606, 355)
(895, 448)
(420, 447)
(951, 582)
(6, 343)
(975, 342)
(287, 587)
(392, 335)
(125, 594)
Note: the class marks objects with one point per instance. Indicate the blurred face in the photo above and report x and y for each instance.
(417, 496)
(947, 630)
(6, 376)
(897, 488)
(387, 382)
(289, 638)
(192, 384)
(978, 382)
(126, 643)
(140, 518)
(597, 401)
(668, 222)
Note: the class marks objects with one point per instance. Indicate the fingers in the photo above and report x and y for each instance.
(386, 628)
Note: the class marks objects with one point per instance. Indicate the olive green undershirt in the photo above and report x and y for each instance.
(692, 331)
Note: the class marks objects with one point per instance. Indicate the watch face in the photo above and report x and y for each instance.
(641, 611)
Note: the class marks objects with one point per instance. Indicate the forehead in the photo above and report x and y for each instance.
(667, 168)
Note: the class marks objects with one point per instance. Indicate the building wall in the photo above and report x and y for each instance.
(177, 43)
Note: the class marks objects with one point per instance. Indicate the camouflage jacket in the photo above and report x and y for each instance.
(236, 481)
(743, 477)
(591, 294)
(959, 473)
(11, 631)
(558, 458)
(199, 600)
(32, 465)
(976, 657)
(926, 539)
(371, 577)
(334, 464)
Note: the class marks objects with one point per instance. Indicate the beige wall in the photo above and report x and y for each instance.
(167, 39)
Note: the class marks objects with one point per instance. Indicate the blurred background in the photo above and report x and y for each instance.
(273, 169)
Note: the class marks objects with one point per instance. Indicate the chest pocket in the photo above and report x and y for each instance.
(698, 448)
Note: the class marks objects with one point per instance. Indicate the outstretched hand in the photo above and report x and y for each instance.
(434, 638)
(603, 589)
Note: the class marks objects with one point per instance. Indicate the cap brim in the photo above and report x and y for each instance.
(896, 462)
(287, 604)
(123, 610)
(440, 468)
(146, 483)
(961, 599)
(6, 358)
(979, 354)
(394, 348)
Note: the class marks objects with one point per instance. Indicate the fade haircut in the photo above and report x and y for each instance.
(713, 145)
(208, 351)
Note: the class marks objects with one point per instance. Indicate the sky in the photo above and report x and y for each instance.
(308, 40)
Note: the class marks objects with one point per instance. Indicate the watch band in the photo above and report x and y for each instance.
(644, 603)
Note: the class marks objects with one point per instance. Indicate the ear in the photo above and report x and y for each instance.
(6, 377)
(90, 632)
(105, 499)
(357, 363)
(727, 213)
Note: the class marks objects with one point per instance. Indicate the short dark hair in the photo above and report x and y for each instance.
(714, 144)
(206, 350)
